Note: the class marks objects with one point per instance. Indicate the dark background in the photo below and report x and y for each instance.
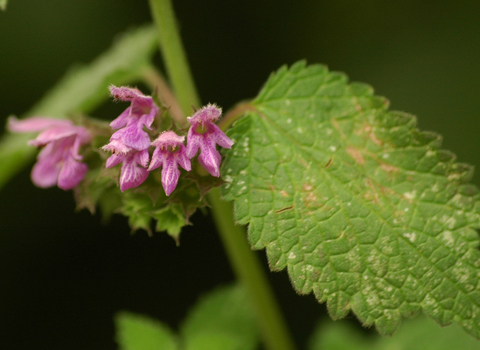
(63, 274)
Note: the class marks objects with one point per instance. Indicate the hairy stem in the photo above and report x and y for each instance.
(155, 80)
(250, 273)
(243, 259)
(174, 55)
(235, 113)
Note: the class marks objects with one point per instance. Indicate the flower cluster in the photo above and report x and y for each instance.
(205, 135)
(169, 154)
(130, 143)
(59, 162)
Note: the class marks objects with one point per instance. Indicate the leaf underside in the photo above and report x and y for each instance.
(361, 207)
(141, 332)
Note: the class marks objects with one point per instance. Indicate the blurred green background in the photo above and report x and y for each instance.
(63, 274)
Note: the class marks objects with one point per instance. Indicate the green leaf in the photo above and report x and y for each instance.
(361, 207)
(340, 335)
(138, 208)
(81, 90)
(3, 4)
(138, 332)
(171, 219)
(222, 320)
(418, 334)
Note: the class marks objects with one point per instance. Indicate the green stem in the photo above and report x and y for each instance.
(155, 80)
(249, 271)
(243, 259)
(234, 114)
(174, 55)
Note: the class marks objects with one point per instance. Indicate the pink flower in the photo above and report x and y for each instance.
(169, 154)
(205, 135)
(134, 164)
(140, 114)
(130, 143)
(59, 161)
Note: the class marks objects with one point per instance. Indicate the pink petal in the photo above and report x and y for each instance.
(170, 174)
(35, 124)
(45, 172)
(143, 157)
(53, 134)
(122, 120)
(142, 105)
(75, 148)
(116, 146)
(83, 135)
(205, 115)
(133, 136)
(220, 138)
(183, 160)
(168, 138)
(193, 143)
(157, 159)
(209, 157)
(53, 151)
(114, 159)
(132, 175)
(125, 93)
(71, 174)
(147, 119)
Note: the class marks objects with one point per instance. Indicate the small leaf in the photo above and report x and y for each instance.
(138, 207)
(81, 90)
(361, 207)
(222, 320)
(91, 190)
(99, 189)
(418, 334)
(340, 335)
(138, 332)
(171, 219)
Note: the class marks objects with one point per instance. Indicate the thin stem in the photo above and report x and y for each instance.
(237, 112)
(174, 54)
(156, 81)
(250, 273)
(243, 259)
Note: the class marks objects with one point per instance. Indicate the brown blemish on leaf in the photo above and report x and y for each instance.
(283, 193)
(315, 276)
(367, 130)
(329, 162)
(337, 126)
(307, 187)
(388, 167)
(356, 155)
(309, 197)
(283, 209)
(304, 162)
(311, 200)
(371, 195)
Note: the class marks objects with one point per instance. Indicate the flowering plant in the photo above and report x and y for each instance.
(59, 162)
(361, 208)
